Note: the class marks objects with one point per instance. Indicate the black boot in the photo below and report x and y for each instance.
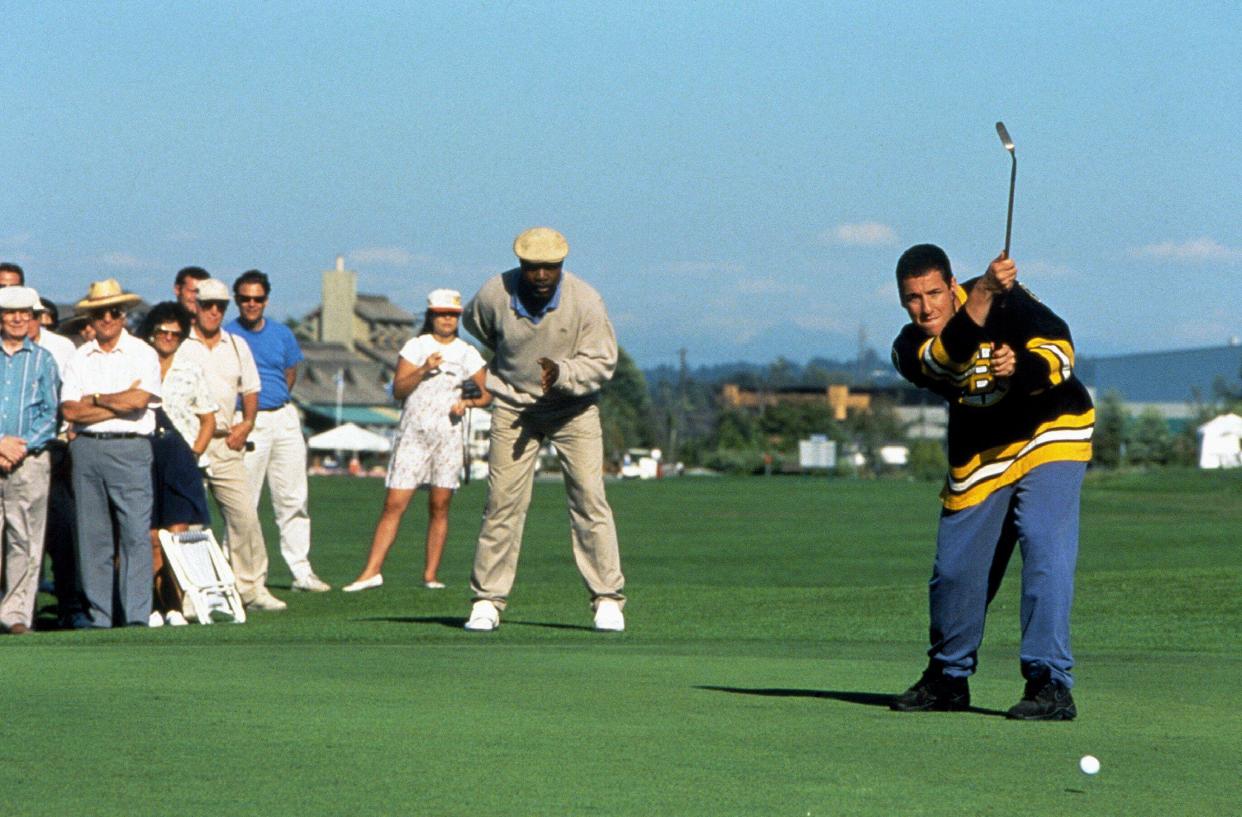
(934, 692)
(1044, 700)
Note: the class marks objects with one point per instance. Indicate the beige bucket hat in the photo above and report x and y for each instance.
(104, 294)
(19, 298)
(541, 245)
(213, 289)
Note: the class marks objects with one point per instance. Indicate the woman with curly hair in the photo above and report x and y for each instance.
(185, 422)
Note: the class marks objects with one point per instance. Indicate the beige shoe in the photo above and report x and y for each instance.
(263, 600)
(310, 583)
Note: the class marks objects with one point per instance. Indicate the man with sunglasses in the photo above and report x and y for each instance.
(109, 385)
(232, 377)
(29, 396)
(279, 453)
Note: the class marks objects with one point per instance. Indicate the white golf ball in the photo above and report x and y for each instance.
(1090, 764)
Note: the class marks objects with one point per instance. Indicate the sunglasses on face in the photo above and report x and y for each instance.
(209, 305)
(167, 333)
(251, 299)
(111, 313)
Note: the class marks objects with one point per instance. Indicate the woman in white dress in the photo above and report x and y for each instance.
(431, 370)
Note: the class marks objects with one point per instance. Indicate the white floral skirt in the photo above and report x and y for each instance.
(426, 458)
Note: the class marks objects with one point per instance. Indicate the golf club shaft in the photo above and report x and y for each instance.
(1013, 177)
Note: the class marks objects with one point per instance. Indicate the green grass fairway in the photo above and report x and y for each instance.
(769, 619)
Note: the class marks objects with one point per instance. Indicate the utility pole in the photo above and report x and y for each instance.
(678, 415)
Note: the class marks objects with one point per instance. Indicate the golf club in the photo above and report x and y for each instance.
(1013, 175)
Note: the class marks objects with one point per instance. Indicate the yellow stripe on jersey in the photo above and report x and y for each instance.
(936, 364)
(1064, 439)
(1058, 354)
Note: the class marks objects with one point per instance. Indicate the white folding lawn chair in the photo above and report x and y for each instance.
(204, 575)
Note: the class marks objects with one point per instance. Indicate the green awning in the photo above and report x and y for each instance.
(361, 415)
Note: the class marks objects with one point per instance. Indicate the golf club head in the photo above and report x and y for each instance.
(1004, 136)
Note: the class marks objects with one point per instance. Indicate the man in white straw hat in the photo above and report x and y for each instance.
(29, 395)
(554, 348)
(109, 384)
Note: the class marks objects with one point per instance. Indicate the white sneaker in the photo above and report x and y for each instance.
(608, 616)
(484, 617)
(311, 583)
(264, 600)
(364, 584)
(433, 585)
(156, 620)
(175, 619)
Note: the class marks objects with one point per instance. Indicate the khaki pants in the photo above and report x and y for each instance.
(226, 479)
(516, 437)
(23, 512)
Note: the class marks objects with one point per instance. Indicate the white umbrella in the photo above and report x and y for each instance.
(349, 437)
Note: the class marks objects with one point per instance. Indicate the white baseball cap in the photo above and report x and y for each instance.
(444, 300)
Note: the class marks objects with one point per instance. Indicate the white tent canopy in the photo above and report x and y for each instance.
(1220, 442)
(349, 437)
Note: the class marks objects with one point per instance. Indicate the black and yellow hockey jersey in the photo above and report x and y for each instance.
(1001, 428)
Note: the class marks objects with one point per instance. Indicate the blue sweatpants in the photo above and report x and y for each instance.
(973, 546)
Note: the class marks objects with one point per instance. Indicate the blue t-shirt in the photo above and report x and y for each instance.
(275, 349)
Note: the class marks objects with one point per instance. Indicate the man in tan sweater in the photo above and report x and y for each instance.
(554, 348)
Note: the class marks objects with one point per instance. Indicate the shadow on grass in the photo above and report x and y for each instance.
(457, 622)
(861, 698)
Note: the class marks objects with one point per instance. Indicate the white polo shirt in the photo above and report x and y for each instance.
(91, 370)
(230, 369)
(60, 346)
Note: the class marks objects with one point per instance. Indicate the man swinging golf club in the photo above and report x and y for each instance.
(1020, 428)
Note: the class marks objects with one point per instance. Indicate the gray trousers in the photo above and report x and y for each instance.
(112, 481)
(516, 437)
(23, 508)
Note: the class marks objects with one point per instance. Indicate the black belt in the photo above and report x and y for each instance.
(278, 408)
(113, 435)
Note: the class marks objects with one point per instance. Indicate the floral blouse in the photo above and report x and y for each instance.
(185, 396)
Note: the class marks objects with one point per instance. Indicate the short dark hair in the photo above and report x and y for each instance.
(163, 312)
(9, 266)
(49, 306)
(252, 276)
(197, 273)
(922, 259)
(429, 327)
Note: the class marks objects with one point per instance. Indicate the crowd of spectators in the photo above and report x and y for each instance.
(108, 437)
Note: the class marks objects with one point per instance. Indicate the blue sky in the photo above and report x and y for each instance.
(737, 181)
